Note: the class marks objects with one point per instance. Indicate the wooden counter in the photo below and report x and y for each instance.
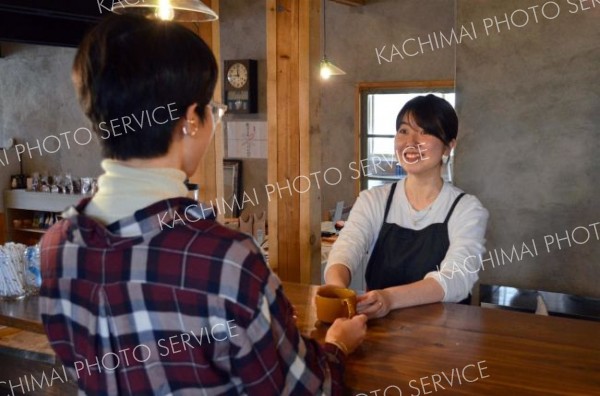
(22, 314)
(524, 354)
(502, 352)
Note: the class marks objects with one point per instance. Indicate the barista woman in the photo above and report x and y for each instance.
(421, 236)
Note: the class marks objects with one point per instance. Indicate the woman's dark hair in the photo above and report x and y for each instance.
(129, 66)
(434, 114)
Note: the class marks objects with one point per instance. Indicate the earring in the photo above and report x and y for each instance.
(445, 159)
(187, 130)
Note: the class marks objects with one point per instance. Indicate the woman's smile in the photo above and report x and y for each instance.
(413, 154)
(417, 150)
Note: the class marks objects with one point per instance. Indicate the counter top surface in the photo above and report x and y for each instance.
(447, 348)
(501, 352)
(22, 314)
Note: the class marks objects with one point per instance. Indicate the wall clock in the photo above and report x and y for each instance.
(241, 87)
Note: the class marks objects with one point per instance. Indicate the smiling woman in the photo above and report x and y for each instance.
(407, 230)
(425, 123)
(379, 104)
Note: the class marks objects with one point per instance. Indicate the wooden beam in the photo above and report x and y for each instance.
(353, 3)
(310, 142)
(393, 85)
(209, 175)
(294, 137)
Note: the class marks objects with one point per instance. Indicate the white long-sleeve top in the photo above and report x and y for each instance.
(466, 232)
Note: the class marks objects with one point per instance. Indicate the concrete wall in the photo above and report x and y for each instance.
(244, 36)
(529, 106)
(353, 35)
(37, 99)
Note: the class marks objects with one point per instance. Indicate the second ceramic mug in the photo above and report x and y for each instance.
(335, 302)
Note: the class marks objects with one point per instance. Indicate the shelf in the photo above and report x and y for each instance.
(40, 201)
(21, 205)
(525, 300)
(36, 230)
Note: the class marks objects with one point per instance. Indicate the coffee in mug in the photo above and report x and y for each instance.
(335, 302)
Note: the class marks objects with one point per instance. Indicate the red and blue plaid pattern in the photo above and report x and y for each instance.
(138, 315)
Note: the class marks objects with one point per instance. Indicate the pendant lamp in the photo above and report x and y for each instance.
(167, 10)
(327, 68)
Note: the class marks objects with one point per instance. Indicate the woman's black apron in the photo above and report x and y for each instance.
(402, 256)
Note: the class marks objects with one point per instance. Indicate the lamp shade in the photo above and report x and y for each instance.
(329, 69)
(169, 10)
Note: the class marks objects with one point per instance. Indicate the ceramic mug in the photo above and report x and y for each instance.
(335, 302)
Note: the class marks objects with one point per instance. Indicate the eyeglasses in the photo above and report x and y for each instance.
(218, 110)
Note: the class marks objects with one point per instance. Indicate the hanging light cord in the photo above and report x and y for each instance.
(324, 29)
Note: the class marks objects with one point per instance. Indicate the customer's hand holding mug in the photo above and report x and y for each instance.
(347, 334)
(337, 305)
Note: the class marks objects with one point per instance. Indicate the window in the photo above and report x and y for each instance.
(379, 106)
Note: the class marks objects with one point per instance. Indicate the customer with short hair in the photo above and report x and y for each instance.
(136, 301)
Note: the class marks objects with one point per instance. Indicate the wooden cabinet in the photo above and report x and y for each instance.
(24, 210)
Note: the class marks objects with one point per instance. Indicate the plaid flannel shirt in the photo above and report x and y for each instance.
(185, 307)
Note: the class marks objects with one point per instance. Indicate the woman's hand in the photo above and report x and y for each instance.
(374, 304)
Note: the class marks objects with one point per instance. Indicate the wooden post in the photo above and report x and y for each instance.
(209, 174)
(293, 42)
